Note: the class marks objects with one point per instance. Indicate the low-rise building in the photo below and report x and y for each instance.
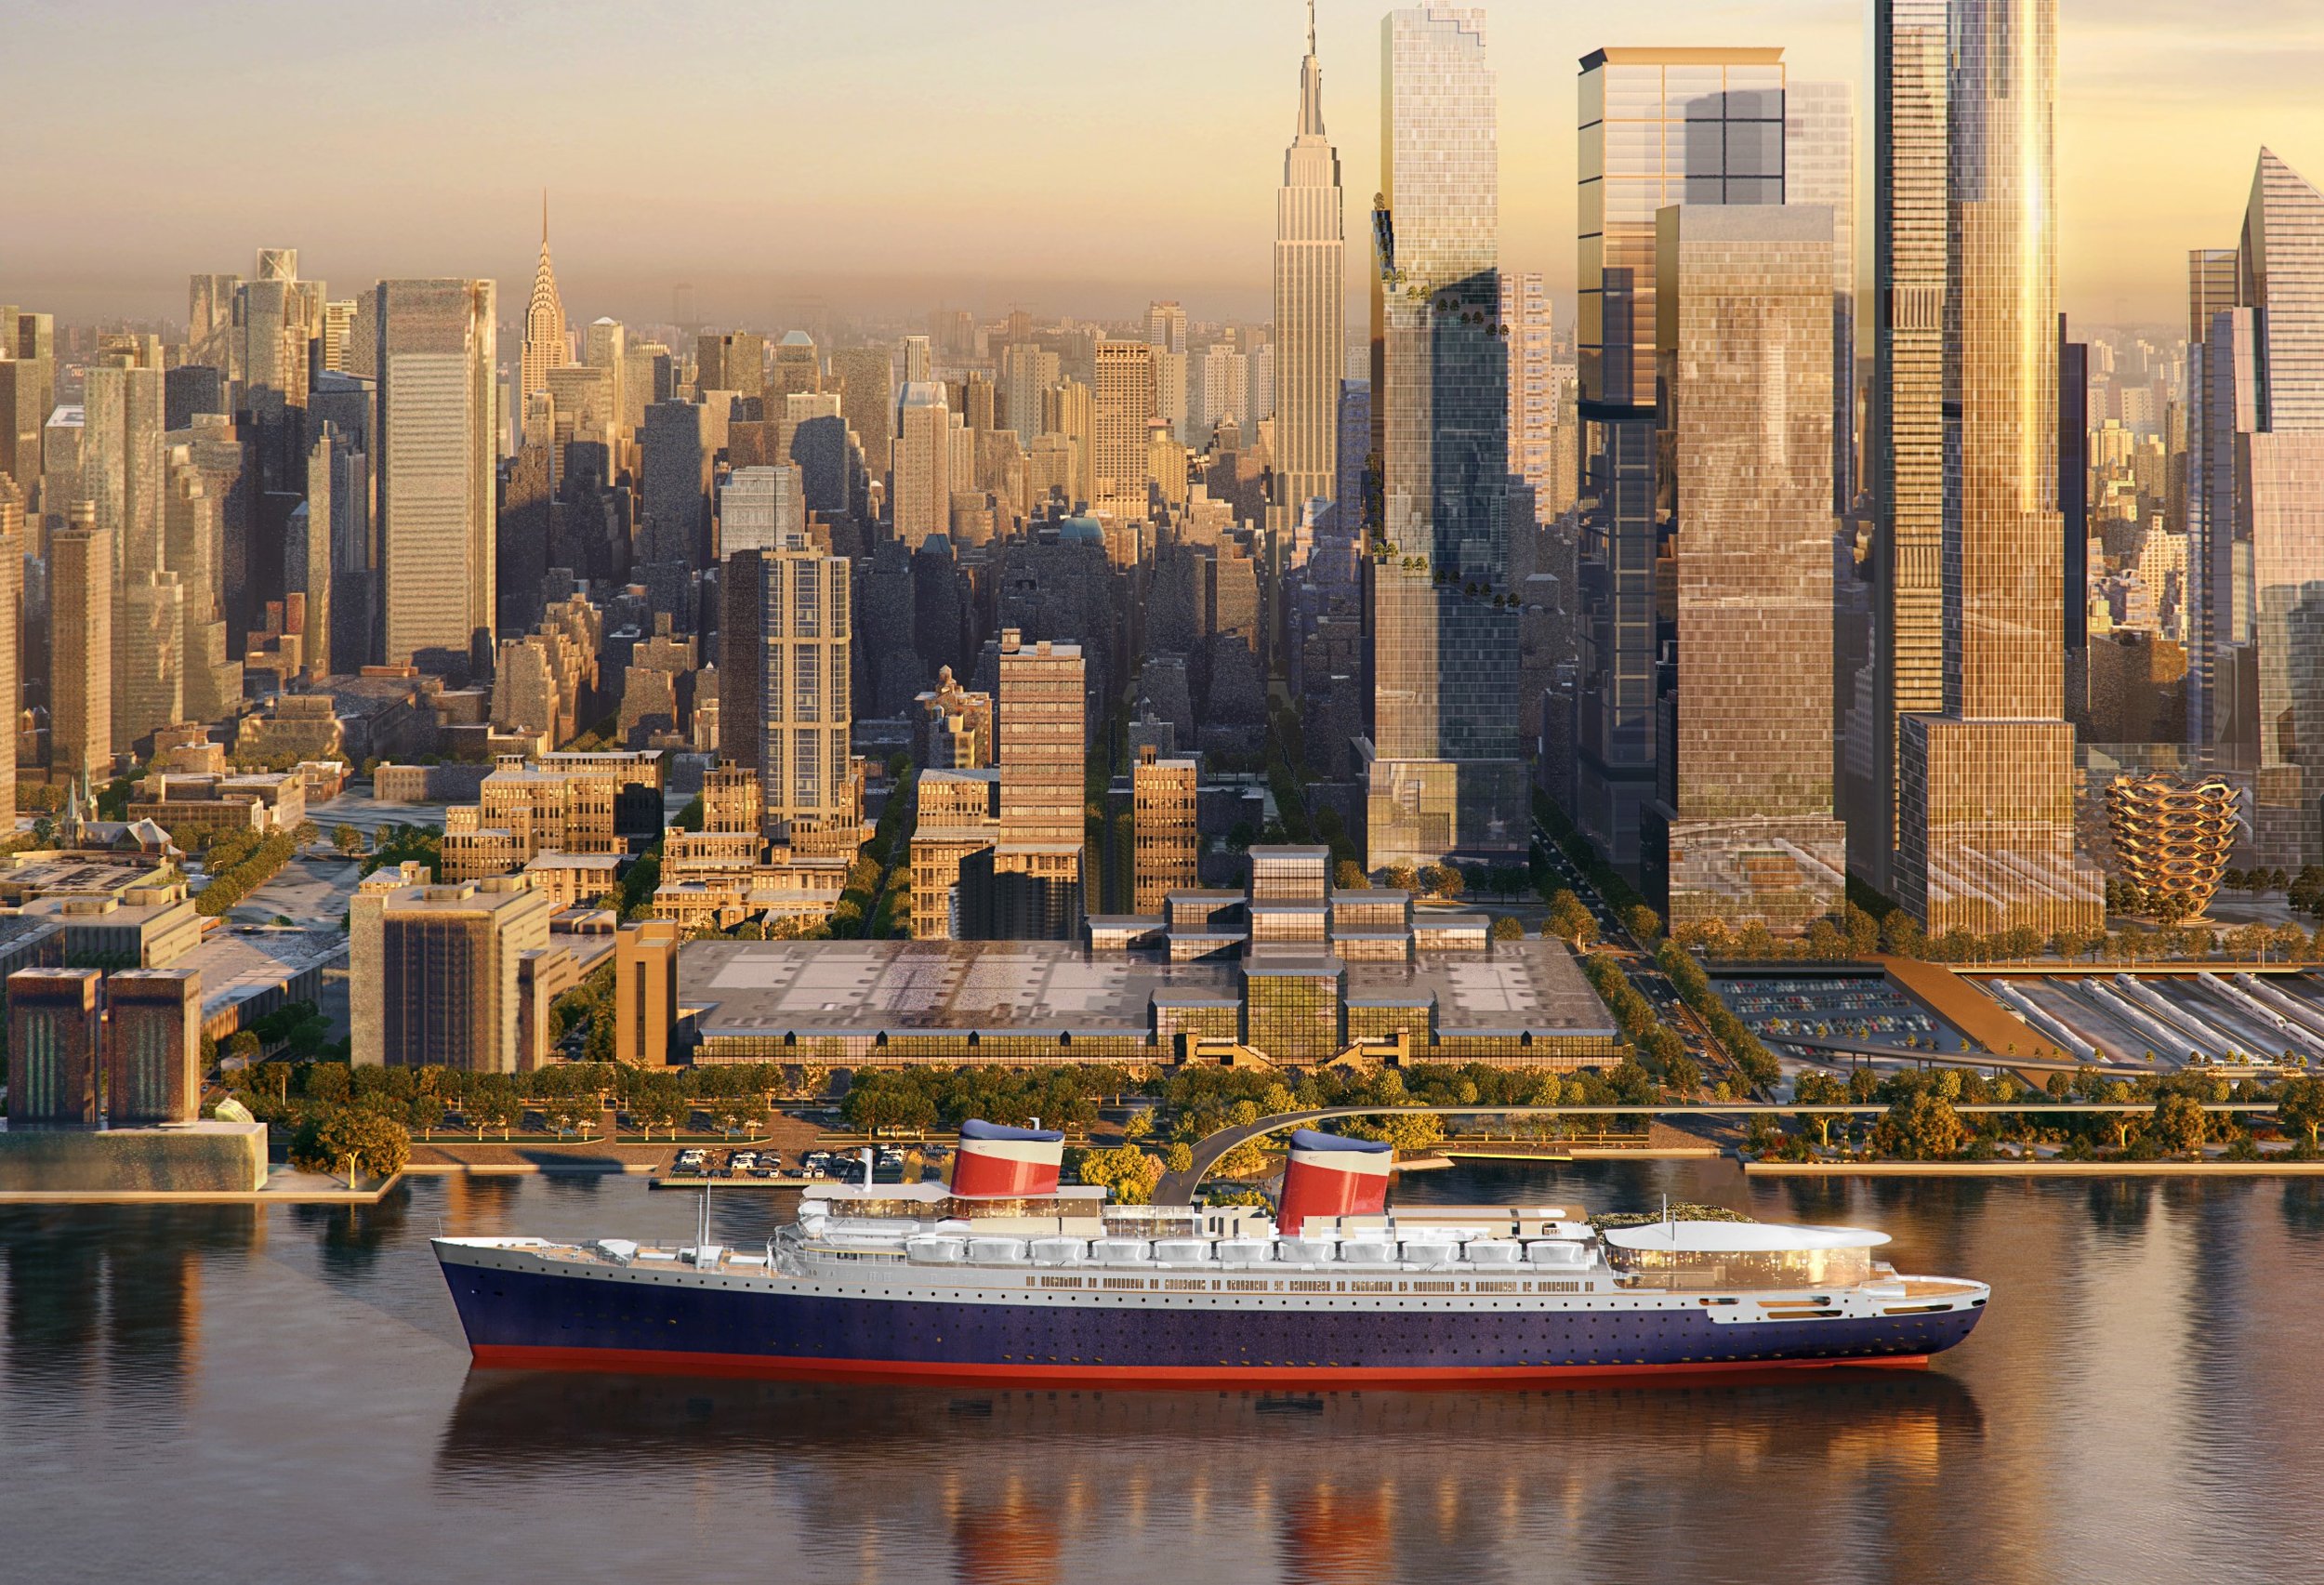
(1264, 972)
(562, 803)
(254, 801)
(143, 927)
(290, 728)
(569, 880)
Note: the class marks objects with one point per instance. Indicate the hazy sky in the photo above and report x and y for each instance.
(1070, 155)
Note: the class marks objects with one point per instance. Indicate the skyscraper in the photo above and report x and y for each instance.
(1041, 741)
(1742, 828)
(1221, 391)
(866, 377)
(547, 345)
(1309, 306)
(1905, 449)
(27, 381)
(81, 644)
(678, 460)
(1985, 798)
(1027, 372)
(760, 509)
(2218, 345)
(436, 457)
(2257, 487)
(919, 501)
(1122, 405)
(1030, 884)
(1658, 128)
(1164, 846)
(12, 543)
(1068, 410)
(919, 363)
(797, 367)
(807, 642)
(1533, 440)
(1442, 773)
(1819, 167)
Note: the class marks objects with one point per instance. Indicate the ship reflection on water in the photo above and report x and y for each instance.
(1343, 1485)
(283, 1393)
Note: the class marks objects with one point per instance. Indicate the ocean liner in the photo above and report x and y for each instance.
(1004, 1277)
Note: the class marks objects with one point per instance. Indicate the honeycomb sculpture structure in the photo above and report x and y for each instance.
(2172, 837)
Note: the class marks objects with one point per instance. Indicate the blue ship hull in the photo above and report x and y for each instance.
(540, 1319)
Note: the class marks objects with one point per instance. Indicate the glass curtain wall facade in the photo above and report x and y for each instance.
(1444, 769)
(1906, 449)
(2214, 330)
(1658, 128)
(1986, 818)
(2278, 466)
(1819, 166)
(1742, 829)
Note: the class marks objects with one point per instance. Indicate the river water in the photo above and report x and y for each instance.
(282, 1394)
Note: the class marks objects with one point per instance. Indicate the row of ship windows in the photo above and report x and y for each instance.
(1230, 1285)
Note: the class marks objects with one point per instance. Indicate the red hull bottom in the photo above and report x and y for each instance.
(909, 1373)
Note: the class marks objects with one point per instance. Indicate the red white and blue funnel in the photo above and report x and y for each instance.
(997, 1160)
(1330, 1176)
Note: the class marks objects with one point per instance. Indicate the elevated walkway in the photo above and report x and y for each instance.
(1976, 1015)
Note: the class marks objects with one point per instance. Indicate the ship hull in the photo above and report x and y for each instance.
(545, 1319)
(1181, 1378)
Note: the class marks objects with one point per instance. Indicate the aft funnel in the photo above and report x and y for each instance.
(997, 1160)
(1331, 1176)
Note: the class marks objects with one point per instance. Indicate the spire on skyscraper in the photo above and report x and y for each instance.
(545, 343)
(1310, 349)
(1311, 84)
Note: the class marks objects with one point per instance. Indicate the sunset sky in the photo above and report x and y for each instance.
(886, 154)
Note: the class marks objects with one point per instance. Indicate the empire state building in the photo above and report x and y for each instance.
(1310, 281)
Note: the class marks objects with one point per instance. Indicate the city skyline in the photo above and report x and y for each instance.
(2155, 107)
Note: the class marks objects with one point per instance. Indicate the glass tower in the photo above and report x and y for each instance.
(1905, 454)
(2218, 339)
(1986, 796)
(1658, 128)
(1444, 772)
(1819, 166)
(1742, 828)
(2279, 467)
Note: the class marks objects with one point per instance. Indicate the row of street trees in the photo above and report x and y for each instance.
(1923, 1122)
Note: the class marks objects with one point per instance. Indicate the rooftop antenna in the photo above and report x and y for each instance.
(1311, 27)
(544, 217)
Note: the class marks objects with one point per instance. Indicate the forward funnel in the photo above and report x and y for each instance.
(1330, 1176)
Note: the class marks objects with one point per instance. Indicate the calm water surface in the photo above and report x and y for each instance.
(282, 1394)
